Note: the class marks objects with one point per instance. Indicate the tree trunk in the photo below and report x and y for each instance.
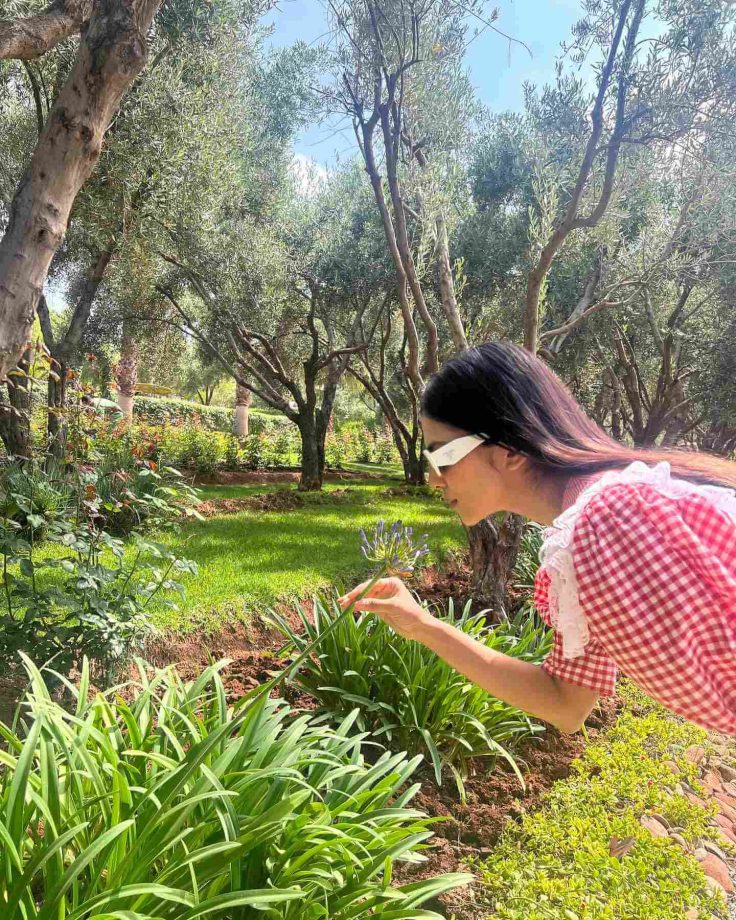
(413, 464)
(494, 548)
(447, 286)
(15, 417)
(56, 406)
(243, 402)
(30, 38)
(313, 456)
(126, 372)
(111, 54)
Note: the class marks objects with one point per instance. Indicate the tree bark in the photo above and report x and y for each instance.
(494, 547)
(447, 286)
(15, 417)
(126, 372)
(413, 464)
(111, 54)
(30, 38)
(243, 402)
(65, 352)
(56, 428)
(571, 219)
(313, 455)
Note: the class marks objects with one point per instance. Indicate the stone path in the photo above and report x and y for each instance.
(717, 857)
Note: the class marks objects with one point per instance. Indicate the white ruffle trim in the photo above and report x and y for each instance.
(566, 614)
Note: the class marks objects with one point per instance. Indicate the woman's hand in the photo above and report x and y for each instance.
(392, 601)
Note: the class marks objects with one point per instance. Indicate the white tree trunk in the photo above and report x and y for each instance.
(126, 373)
(125, 401)
(243, 401)
(111, 54)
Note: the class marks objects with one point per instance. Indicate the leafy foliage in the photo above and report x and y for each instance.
(159, 411)
(83, 595)
(177, 806)
(559, 863)
(408, 697)
(32, 496)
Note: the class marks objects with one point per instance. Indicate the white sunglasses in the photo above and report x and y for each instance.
(452, 453)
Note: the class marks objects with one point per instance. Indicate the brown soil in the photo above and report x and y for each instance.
(494, 797)
(266, 477)
(438, 586)
(283, 500)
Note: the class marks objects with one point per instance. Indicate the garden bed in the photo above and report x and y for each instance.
(266, 477)
(497, 811)
(494, 795)
(283, 500)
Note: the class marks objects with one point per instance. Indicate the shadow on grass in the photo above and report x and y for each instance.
(251, 559)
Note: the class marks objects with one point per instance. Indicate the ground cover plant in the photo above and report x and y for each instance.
(585, 855)
(176, 805)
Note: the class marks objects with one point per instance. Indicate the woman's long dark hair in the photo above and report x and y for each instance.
(511, 397)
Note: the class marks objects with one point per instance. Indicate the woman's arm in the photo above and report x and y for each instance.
(518, 683)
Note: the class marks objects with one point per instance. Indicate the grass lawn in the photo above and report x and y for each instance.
(248, 561)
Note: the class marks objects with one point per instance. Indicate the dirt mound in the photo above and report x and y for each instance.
(283, 500)
(494, 797)
(265, 477)
(438, 586)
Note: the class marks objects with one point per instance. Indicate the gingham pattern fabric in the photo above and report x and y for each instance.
(657, 584)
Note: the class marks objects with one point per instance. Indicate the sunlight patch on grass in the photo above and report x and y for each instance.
(250, 560)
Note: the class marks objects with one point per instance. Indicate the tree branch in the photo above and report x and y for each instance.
(30, 38)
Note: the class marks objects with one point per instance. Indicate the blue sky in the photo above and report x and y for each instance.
(498, 71)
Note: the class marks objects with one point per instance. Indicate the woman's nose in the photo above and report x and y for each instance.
(435, 481)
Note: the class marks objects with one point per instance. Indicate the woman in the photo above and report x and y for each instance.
(639, 559)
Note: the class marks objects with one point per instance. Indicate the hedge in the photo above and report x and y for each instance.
(159, 411)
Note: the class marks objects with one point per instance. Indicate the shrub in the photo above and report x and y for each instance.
(355, 442)
(33, 496)
(253, 452)
(195, 448)
(129, 468)
(407, 696)
(158, 412)
(87, 600)
(281, 448)
(82, 595)
(558, 862)
(145, 495)
(266, 423)
(176, 806)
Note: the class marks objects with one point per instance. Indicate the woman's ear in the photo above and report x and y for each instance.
(511, 460)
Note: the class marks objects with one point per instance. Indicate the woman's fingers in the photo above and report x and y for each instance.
(348, 598)
(383, 588)
(374, 605)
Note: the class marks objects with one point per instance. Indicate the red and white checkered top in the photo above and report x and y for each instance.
(657, 585)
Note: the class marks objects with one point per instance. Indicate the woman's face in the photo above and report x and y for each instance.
(482, 483)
